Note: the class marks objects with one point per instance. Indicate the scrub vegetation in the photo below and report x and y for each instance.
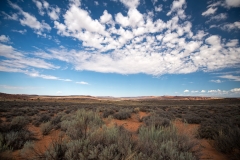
(85, 132)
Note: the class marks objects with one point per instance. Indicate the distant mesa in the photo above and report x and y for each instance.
(72, 97)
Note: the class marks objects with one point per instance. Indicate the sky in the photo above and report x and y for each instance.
(121, 48)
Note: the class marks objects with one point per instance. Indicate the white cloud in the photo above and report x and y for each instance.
(36, 74)
(231, 26)
(141, 44)
(233, 3)
(30, 20)
(214, 91)
(75, 2)
(82, 82)
(39, 6)
(178, 6)
(14, 16)
(158, 8)
(134, 18)
(45, 4)
(17, 87)
(59, 92)
(194, 91)
(203, 91)
(20, 31)
(209, 11)
(230, 77)
(219, 17)
(106, 17)
(216, 81)
(96, 3)
(54, 13)
(235, 90)
(186, 91)
(232, 43)
(130, 3)
(16, 60)
(154, 1)
(4, 38)
(77, 19)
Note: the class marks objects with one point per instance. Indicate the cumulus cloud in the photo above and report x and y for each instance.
(186, 91)
(106, 17)
(4, 38)
(130, 3)
(203, 91)
(140, 43)
(82, 82)
(235, 90)
(178, 6)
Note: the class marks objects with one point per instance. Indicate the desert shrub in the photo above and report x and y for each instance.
(56, 121)
(41, 119)
(44, 118)
(107, 113)
(228, 140)
(192, 118)
(56, 151)
(3, 145)
(16, 139)
(207, 132)
(136, 110)
(68, 111)
(107, 144)
(81, 121)
(164, 143)
(46, 128)
(4, 127)
(27, 150)
(122, 114)
(155, 120)
(19, 123)
(210, 128)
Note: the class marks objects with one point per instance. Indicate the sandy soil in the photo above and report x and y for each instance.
(207, 150)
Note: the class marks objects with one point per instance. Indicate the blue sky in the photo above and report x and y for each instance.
(120, 47)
